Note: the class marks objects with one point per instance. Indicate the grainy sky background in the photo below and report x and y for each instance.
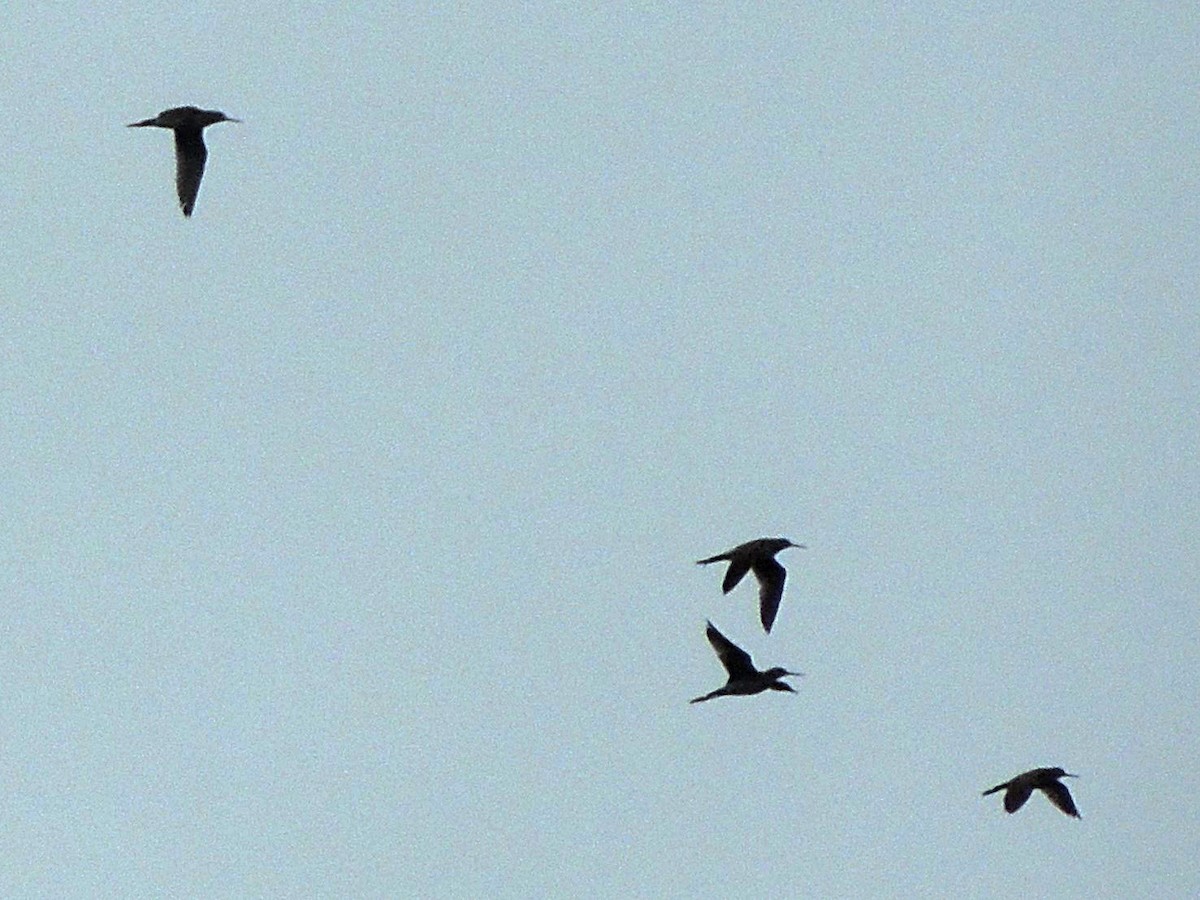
(350, 527)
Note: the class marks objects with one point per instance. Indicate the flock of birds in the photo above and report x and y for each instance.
(757, 556)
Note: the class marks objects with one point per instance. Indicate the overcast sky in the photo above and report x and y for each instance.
(350, 526)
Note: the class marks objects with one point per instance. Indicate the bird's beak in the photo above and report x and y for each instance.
(239, 121)
(1069, 775)
(796, 674)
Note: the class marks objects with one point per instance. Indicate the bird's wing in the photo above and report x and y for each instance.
(190, 155)
(1061, 797)
(738, 567)
(770, 575)
(736, 661)
(1015, 797)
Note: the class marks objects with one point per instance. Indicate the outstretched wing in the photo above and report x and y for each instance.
(738, 567)
(771, 576)
(735, 660)
(190, 156)
(1015, 797)
(1061, 797)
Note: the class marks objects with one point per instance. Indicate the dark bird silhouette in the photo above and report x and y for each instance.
(744, 678)
(758, 555)
(188, 123)
(1017, 790)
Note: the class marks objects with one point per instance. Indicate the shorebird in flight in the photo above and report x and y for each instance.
(759, 556)
(1017, 790)
(744, 678)
(188, 123)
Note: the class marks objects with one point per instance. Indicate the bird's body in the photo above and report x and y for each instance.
(757, 556)
(188, 123)
(1017, 790)
(744, 678)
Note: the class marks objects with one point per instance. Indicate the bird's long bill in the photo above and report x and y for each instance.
(797, 674)
(141, 124)
(1069, 775)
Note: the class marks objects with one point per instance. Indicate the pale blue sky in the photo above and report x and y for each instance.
(351, 525)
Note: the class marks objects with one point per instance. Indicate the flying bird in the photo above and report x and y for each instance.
(188, 123)
(1017, 790)
(744, 678)
(758, 555)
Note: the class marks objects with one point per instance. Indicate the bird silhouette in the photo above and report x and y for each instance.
(188, 123)
(759, 556)
(744, 678)
(1017, 790)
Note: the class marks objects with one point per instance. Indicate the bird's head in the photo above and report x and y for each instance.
(778, 673)
(1056, 772)
(202, 118)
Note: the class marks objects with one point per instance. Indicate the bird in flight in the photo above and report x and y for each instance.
(188, 123)
(758, 555)
(1017, 790)
(744, 678)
